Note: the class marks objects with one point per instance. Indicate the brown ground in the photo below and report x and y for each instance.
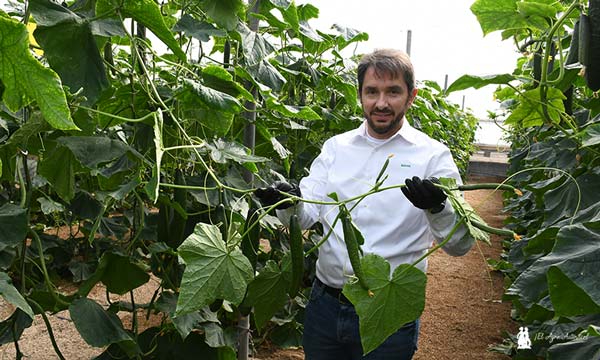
(463, 314)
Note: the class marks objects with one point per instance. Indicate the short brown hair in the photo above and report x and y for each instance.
(387, 61)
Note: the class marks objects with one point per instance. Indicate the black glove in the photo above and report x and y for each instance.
(273, 194)
(424, 194)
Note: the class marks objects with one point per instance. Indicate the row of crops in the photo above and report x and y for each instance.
(553, 112)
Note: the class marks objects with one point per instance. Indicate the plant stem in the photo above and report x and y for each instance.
(547, 48)
(49, 327)
(117, 117)
(13, 330)
(49, 284)
(134, 324)
(438, 246)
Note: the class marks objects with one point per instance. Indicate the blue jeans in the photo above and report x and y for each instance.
(331, 332)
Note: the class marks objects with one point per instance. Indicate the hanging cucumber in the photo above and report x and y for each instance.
(584, 40)
(573, 55)
(572, 58)
(495, 231)
(352, 246)
(164, 219)
(592, 70)
(222, 220)
(251, 238)
(537, 67)
(297, 254)
(178, 220)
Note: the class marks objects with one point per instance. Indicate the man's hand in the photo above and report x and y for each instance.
(424, 194)
(273, 194)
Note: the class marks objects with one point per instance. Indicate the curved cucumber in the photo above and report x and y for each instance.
(592, 70)
(353, 248)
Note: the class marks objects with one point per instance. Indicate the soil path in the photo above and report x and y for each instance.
(463, 313)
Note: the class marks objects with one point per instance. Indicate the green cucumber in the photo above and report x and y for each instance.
(352, 246)
(573, 55)
(537, 67)
(251, 239)
(495, 231)
(584, 40)
(489, 186)
(592, 70)
(178, 220)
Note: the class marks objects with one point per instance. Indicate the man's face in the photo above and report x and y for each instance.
(384, 101)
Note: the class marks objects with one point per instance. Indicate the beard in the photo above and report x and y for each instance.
(384, 129)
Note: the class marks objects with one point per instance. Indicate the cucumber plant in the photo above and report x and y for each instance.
(554, 160)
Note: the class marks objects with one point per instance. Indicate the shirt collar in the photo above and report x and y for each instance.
(406, 132)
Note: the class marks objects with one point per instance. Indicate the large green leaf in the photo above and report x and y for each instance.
(571, 196)
(576, 254)
(591, 135)
(26, 136)
(530, 9)
(185, 324)
(99, 327)
(394, 302)
(92, 151)
(224, 12)
(221, 151)
(349, 34)
(218, 78)
(290, 15)
(48, 13)
(26, 79)
(296, 112)
(118, 273)
(530, 113)
(558, 152)
(14, 225)
(12, 328)
(213, 99)
(147, 13)
(215, 124)
(213, 271)
(306, 30)
(265, 73)
(85, 206)
(472, 81)
(200, 30)
(70, 49)
(59, 169)
(568, 299)
(267, 293)
(504, 14)
(581, 348)
(11, 295)
(254, 46)
(465, 210)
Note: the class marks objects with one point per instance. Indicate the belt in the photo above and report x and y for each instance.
(336, 293)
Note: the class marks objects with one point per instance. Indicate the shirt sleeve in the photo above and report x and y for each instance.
(312, 187)
(442, 223)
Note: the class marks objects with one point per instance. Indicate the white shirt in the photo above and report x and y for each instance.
(392, 227)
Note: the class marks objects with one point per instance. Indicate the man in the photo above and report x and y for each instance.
(399, 230)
